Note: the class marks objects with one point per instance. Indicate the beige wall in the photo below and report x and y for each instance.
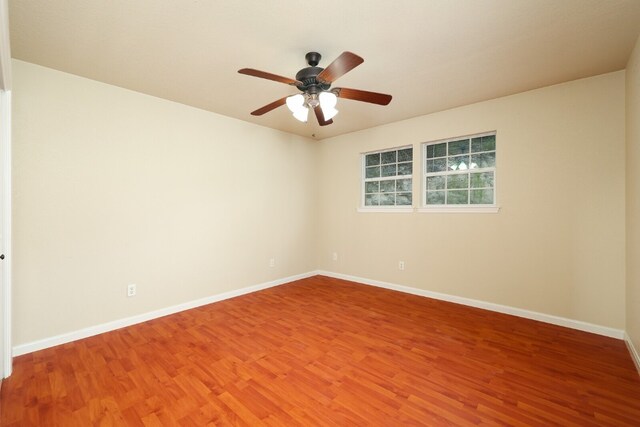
(633, 196)
(112, 187)
(557, 244)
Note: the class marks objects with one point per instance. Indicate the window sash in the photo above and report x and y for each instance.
(398, 197)
(459, 193)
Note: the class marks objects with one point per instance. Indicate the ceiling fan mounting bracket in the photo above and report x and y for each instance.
(313, 58)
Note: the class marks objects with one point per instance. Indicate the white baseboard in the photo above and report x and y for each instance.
(547, 318)
(635, 355)
(121, 323)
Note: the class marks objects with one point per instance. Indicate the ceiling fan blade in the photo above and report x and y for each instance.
(269, 76)
(320, 117)
(363, 95)
(344, 63)
(269, 107)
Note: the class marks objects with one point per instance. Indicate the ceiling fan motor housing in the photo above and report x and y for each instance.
(308, 76)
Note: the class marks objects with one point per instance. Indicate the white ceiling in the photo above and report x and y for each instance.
(430, 55)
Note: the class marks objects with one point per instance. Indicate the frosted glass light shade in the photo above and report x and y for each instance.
(328, 101)
(295, 102)
(328, 113)
(301, 114)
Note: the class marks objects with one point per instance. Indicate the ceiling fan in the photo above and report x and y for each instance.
(315, 84)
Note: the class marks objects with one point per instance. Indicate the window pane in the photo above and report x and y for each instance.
(436, 150)
(484, 160)
(457, 197)
(458, 181)
(372, 187)
(387, 186)
(381, 186)
(373, 172)
(371, 200)
(405, 155)
(403, 199)
(403, 184)
(459, 163)
(458, 147)
(373, 159)
(435, 197)
(482, 197)
(388, 157)
(482, 180)
(438, 165)
(389, 170)
(464, 179)
(435, 182)
(405, 168)
(387, 199)
(484, 143)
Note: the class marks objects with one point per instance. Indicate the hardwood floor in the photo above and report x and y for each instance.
(326, 352)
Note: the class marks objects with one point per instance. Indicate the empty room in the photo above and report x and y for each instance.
(346, 213)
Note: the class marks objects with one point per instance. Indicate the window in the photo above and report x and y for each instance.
(460, 172)
(387, 178)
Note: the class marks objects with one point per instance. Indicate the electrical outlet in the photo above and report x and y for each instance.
(131, 290)
(400, 265)
(272, 262)
(334, 256)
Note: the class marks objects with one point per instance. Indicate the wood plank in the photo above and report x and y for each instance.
(323, 351)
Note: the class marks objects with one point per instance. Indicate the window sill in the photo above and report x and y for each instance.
(391, 209)
(460, 209)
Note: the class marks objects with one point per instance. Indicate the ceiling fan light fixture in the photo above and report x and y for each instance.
(302, 114)
(295, 103)
(314, 83)
(328, 101)
(312, 100)
(329, 113)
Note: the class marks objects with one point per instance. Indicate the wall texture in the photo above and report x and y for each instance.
(112, 187)
(633, 196)
(557, 246)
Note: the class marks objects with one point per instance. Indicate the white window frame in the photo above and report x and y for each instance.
(466, 208)
(363, 181)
